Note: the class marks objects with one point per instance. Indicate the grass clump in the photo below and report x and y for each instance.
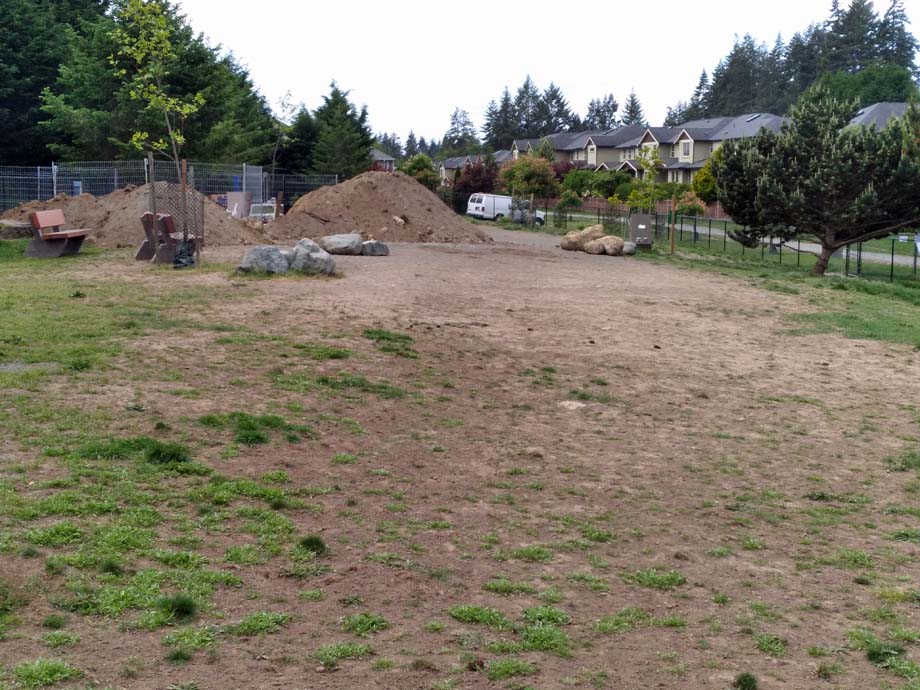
(745, 681)
(314, 544)
(771, 644)
(311, 595)
(179, 607)
(655, 578)
(329, 655)
(322, 353)
(364, 624)
(394, 343)
(622, 621)
(548, 615)
(907, 461)
(59, 534)
(535, 554)
(502, 585)
(54, 621)
(260, 623)
(509, 667)
(882, 653)
(60, 638)
(344, 381)
(546, 638)
(44, 672)
(191, 638)
(481, 615)
(159, 453)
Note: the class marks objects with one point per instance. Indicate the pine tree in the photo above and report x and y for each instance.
(297, 153)
(500, 128)
(632, 112)
(602, 113)
(676, 115)
(852, 38)
(344, 142)
(772, 85)
(424, 147)
(390, 144)
(698, 108)
(460, 138)
(734, 81)
(526, 110)
(837, 184)
(896, 44)
(553, 112)
(412, 146)
(803, 59)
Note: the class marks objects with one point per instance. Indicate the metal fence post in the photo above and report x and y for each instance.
(54, 170)
(892, 259)
(915, 258)
(846, 262)
(710, 233)
(725, 237)
(244, 178)
(798, 254)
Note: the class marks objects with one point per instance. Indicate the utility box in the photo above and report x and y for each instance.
(238, 204)
(641, 230)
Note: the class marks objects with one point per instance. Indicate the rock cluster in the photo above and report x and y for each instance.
(592, 240)
(307, 256)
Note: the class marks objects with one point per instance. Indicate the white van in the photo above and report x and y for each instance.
(496, 206)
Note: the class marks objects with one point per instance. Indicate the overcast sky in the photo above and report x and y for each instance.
(412, 62)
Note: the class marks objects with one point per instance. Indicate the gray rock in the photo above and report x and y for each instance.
(309, 245)
(264, 258)
(342, 244)
(288, 254)
(375, 248)
(310, 258)
(629, 248)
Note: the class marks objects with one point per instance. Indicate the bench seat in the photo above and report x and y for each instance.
(50, 238)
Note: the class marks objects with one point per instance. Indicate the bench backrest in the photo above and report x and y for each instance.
(48, 219)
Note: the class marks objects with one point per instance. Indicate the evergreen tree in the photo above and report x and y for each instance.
(632, 111)
(875, 84)
(802, 65)
(553, 112)
(698, 108)
(390, 144)
(344, 142)
(297, 153)
(460, 138)
(412, 146)
(772, 85)
(735, 79)
(852, 38)
(676, 115)
(602, 113)
(526, 110)
(35, 40)
(896, 44)
(424, 147)
(837, 184)
(500, 128)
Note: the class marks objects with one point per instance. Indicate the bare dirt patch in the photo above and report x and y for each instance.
(719, 504)
(391, 207)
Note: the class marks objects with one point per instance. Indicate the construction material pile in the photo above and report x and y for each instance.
(387, 206)
(114, 220)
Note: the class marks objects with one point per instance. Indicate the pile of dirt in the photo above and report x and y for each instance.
(114, 220)
(387, 206)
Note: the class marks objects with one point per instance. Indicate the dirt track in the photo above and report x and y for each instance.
(703, 430)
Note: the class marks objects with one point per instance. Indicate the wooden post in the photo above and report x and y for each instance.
(200, 239)
(152, 189)
(673, 231)
(183, 183)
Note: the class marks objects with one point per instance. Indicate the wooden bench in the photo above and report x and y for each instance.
(50, 239)
(160, 239)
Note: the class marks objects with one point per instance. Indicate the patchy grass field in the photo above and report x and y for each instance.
(457, 467)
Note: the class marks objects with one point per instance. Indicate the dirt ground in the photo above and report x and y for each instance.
(620, 414)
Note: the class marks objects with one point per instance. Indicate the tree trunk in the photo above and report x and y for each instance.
(823, 259)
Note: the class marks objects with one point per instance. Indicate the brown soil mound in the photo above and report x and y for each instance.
(370, 204)
(114, 220)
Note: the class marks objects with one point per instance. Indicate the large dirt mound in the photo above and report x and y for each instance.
(114, 220)
(371, 204)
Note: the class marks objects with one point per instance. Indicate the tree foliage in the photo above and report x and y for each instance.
(836, 183)
(632, 111)
(90, 113)
(481, 176)
(853, 41)
(602, 113)
(460, 139)
(344, 137)
(529, 175)
(704, 182)
(422, 169)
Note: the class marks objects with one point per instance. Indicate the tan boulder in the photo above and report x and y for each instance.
(613, 245)
(577, 239)
(595, 247)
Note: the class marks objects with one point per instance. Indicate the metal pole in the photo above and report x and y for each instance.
(725, 237)
(892, 259)
(798, 254)
(54, 170)
(915, 259)
(780, 253)
(710, 233)
(152, 188)
(244, 180)
(846, 264)
(184, 204)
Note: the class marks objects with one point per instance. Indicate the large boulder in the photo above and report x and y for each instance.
(629, 248)
(613, 245)
(312, 259)
(577, 239)
(349, 244)
(374, 248)
(595, 247)
(264, 258)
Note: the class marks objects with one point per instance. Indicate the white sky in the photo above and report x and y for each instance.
(412, 62)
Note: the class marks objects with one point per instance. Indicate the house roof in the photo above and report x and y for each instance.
(502, 156)
(455, 162)
(615, 137)
(879, 114)
(379, 155)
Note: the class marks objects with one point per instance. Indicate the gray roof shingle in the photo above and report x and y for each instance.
(879, 114)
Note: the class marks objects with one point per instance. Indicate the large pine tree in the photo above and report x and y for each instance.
(344, 142)
(602, 113)
(632, 111)
(526, 110)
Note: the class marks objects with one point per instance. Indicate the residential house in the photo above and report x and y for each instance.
(449, 168)
(568, 147)
(382, 161)
(879, 114)
(683, 149)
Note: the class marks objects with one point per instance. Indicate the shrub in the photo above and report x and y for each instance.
(179, 607)
(422, 169)
(313, 544)
(569, 199)
(530, 175)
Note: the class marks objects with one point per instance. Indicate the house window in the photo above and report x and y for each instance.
(686, 149)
